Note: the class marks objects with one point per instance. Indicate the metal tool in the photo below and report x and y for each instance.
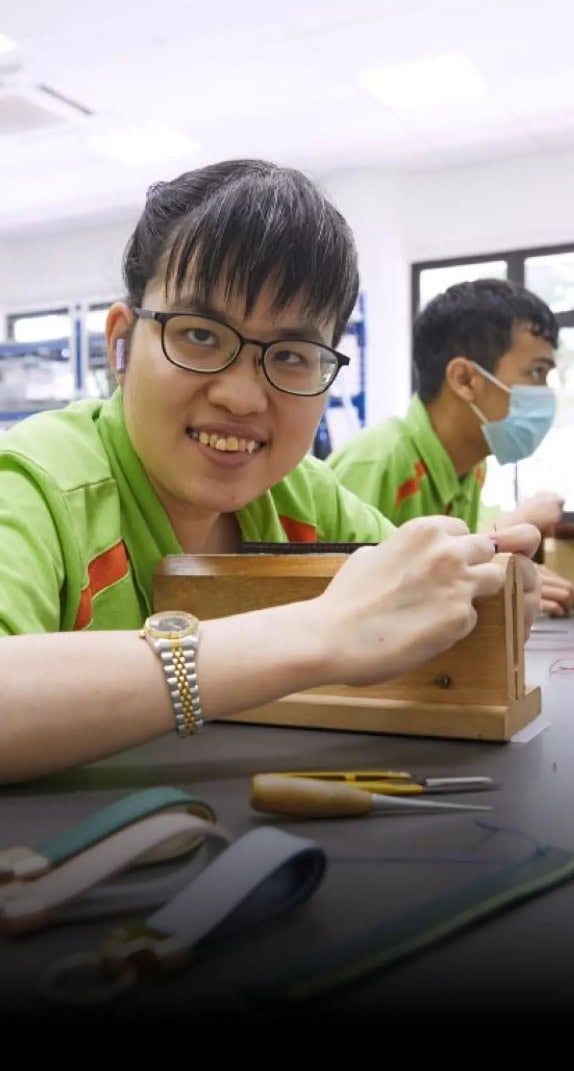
(394, 782)
(304, 797)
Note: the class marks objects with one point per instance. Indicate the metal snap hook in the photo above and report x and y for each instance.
(63, 982)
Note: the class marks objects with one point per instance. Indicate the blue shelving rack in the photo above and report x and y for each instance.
(354, 342)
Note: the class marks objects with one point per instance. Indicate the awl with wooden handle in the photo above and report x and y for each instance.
(305, 798)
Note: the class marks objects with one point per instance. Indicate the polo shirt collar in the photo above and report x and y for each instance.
(441, 471)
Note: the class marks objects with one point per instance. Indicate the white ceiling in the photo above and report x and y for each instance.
(264, 78)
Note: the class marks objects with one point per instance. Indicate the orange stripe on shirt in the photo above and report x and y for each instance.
(84, 614)
(103, 571)
(411, 486)
(298, 531)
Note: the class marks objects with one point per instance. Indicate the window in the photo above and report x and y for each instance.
(39, 326)
(552, 278)
(100, 381)
(36, 362)
(433, 281)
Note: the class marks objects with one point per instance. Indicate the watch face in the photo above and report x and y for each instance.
(172, 624)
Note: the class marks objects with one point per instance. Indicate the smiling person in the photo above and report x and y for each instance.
(482, 352)
(239, 279)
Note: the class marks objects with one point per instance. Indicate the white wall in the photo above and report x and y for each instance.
(69, 266)
(372, 202)
(485, 208)
(397, 219)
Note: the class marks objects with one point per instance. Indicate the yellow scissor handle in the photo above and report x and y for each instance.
(360, 778)
(390, 788)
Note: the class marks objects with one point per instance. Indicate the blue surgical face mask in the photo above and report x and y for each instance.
(530, 416)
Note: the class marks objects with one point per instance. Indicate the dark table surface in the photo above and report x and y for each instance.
(520, 962)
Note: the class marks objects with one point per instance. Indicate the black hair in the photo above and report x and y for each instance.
(474, 320)
(243, 223)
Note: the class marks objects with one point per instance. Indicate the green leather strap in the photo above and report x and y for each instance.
(415, 931)
(26, 863)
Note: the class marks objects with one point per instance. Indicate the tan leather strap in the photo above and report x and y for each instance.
(29, 905)
(23, 863)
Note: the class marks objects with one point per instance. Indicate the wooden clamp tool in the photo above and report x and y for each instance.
(558, 550)
(473, 691)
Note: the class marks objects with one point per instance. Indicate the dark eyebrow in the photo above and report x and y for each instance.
(305, 331)
(543, 360)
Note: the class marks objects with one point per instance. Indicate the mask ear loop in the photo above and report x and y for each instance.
(487, 375)
(478, 413)
(121, 355)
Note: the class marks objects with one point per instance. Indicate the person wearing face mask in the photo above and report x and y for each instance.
(482, 352)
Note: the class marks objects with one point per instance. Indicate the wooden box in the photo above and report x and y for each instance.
(475, 690)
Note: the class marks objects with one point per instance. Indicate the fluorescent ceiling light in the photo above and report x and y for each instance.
(144, 144)
(6, 43)
(424, 84)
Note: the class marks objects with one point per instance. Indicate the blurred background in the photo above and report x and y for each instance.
(443, 130)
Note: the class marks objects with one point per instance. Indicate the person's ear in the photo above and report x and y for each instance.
(463, 379)
(118, 326)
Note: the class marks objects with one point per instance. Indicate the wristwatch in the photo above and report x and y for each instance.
(174, 636)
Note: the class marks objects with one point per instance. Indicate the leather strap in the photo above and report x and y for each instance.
(264, 873)
(25, 863)
(404, 936)
(30, 905)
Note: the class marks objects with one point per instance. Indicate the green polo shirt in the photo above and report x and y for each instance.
(402, 468)
(82, 529)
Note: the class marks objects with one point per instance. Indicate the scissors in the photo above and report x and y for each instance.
(395, 782)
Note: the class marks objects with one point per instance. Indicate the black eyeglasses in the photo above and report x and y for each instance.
(206, 345)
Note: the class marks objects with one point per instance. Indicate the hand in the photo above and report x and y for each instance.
(544, 510)
(524, 540)
(394, 606)
(557, 593)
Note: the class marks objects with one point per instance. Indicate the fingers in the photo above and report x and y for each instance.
(518, 539)
(557, 593)
(437, 523)
(549, 577)
(530, 576)
(532, 609)
(487, 579)
(559, 600)
(553, 500)
(553, 609)
(477, 549)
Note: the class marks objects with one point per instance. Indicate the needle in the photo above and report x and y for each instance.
(305, 798)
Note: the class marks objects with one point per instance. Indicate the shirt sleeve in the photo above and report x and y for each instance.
(357, 521)
(487, 516)
(384, 486)
(364, 523)
(31, 559)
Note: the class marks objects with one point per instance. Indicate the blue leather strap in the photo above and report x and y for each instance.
(262, 874)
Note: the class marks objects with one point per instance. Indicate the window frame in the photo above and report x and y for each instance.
(12, 317)
(515, 259)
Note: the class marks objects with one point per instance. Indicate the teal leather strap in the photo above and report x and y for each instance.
(32, 905)
(415, 931)
(264, 873)
(24, 863)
